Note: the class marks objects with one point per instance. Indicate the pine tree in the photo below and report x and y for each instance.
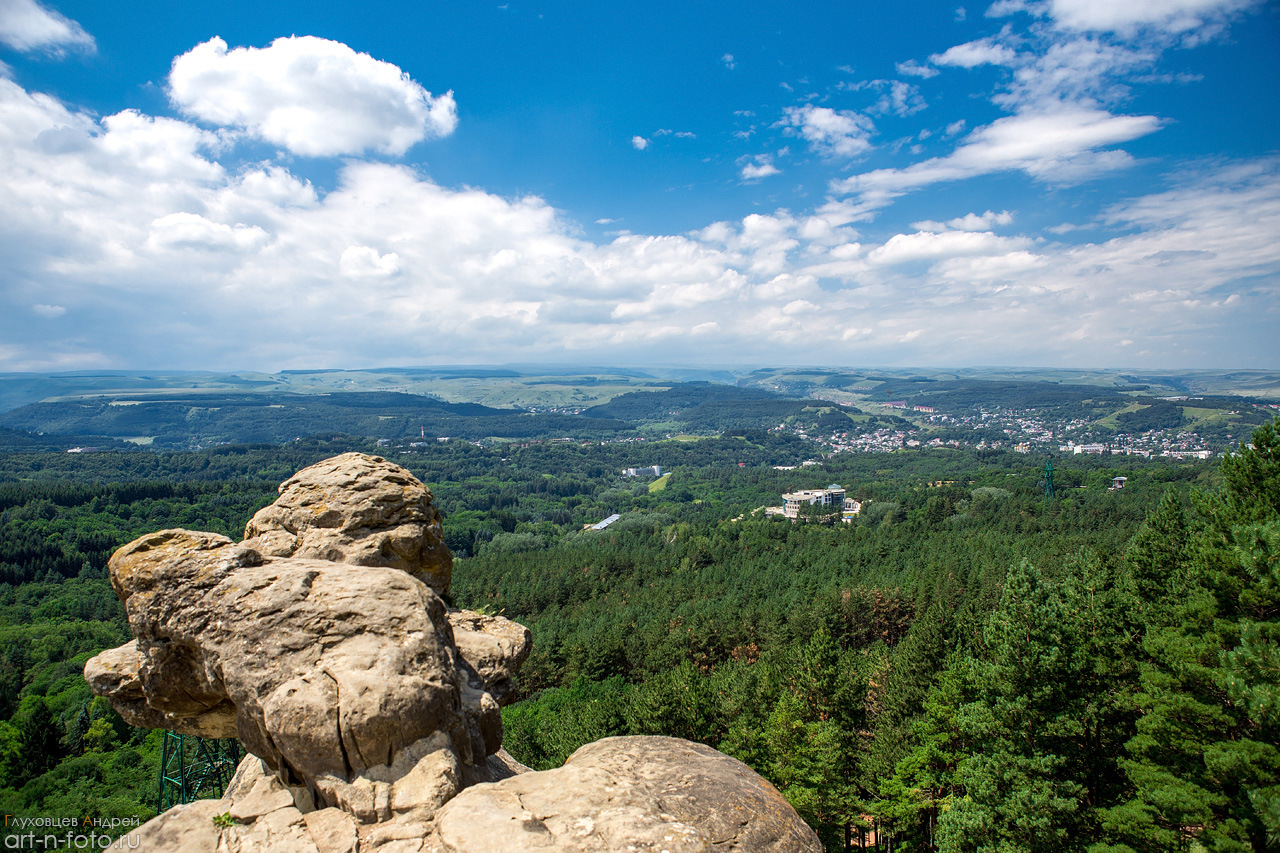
(1049, 714)
(1159, 559)
(924, 783)
(41, 740)
(1206, 758)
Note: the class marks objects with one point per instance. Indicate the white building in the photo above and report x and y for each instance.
(832, 496)
(851, 508)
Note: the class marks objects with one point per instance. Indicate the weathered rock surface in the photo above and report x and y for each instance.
(494, 648)
(356, 509)
(116, 673)
(370, 711)
(331, 669)
(628, 793)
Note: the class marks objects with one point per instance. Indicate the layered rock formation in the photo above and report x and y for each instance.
(322, 642)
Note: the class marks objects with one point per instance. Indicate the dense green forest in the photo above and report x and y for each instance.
(968, 666)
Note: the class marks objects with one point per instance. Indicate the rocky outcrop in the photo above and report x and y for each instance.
(494, 648)
(370, 710)
(626, 793)
(356, 509)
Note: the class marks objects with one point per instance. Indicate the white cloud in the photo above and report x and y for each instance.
(1004, 8)
(1173, 16)
(727, 59)
(365, 262)
(48, 311)
(974, 53)
(902, 99)
(955, 127)
(832, 133)
(1056, 147)
(678, 134)
(203, 266)
(1083, 71)
(639, 143)
(192, 231)
(1192, 20)
(911, 68)
(968, 222)
(760, 166)
(26, 25)
(933, 246)
(983, 269)
(310, 95)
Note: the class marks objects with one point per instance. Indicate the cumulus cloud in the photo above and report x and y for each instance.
(310, 95)
(831, 133)
(639, 143)
(48, 311)
(933, 246)
(365, 262)
(974, 53)
(727, 59)
(204, 266)
(27, 26)
(760, 166)
(192, 231)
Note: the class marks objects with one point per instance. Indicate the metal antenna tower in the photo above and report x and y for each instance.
(193, 768)
(1049, 492)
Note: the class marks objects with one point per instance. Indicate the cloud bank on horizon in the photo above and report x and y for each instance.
(1001, 195)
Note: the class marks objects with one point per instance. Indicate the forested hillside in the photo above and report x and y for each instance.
(967, 666)
(178, 420)
(969, 669)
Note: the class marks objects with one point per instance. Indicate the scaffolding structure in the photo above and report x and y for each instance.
(194, 768)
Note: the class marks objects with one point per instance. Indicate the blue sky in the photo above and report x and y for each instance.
(269, 185)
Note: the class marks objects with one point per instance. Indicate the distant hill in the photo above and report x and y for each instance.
(703, 407)
(18, 441)
(968, 394)
(202, 419)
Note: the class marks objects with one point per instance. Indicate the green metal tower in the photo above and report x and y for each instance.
(1049, 492)
(193, 768)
